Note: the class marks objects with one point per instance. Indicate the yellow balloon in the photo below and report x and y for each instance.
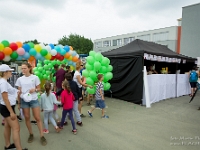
(1, 47)
(38, 48)
(72, 68)
(48, 56)
(70, 58)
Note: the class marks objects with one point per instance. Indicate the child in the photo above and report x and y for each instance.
(67, 99)
(48, 100)
(99, 96)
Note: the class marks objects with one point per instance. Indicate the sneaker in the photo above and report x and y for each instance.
(82, 115)
(79, 123)
(34, 122)
(12, 146)
(43, 141)
(30, 138)
(65, 123)
(57, 129)
(46, 131)
(89, 113)
(105, 116)
(19, 118)
(74, 132)
(60, 127)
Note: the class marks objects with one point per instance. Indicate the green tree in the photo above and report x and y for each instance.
(79, 43)
(33, 41)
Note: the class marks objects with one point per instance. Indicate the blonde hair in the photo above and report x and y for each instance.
(78, 65)
(1, 74)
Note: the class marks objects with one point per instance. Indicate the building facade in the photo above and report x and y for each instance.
(165, 36)
(190, 34)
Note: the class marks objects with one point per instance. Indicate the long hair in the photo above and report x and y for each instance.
(28, 65)
(66, 86)
(47, 87)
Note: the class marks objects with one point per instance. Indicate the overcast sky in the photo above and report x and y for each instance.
(49, 20)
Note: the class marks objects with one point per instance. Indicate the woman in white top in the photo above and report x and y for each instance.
(8, 98)
(78, 79)
(28, 86)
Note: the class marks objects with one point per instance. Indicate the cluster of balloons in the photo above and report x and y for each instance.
(31, 51)
(45, 69)
(97, 64)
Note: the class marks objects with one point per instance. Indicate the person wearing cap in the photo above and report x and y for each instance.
(8, 98)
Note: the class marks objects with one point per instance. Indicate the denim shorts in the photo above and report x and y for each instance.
(100, 104)
(31, 104)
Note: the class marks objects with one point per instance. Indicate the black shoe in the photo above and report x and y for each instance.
(12, 146)
(34, 122)
(25, 149)
(82, 115)
(19, 118)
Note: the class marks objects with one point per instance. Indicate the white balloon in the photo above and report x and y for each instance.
(43, 46)
(6, 58)
(70, 52)
(77, 55)
(53, 52)
(48, 48)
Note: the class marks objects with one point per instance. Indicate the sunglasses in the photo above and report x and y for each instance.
(81, 65)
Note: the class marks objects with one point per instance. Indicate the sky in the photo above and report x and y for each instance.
(49, 20)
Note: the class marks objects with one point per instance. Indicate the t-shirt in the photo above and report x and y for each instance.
(99, 87)
(60, 77)
(75, 78)
(12, 92)
(27, 83)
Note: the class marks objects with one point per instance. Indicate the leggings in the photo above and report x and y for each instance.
(64, 113)
(48, 115)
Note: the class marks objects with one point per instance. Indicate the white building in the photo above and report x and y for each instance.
(165, 36)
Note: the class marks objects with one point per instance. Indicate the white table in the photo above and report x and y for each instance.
(165, 86)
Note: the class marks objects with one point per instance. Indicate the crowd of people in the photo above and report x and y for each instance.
(67, 92)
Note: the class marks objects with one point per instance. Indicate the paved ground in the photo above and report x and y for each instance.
(167, 125)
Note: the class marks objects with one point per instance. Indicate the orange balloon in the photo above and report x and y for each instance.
(31, 58)
(75, 59)
(67, 55)
(7, 51)
(19, 44)
(71, 48)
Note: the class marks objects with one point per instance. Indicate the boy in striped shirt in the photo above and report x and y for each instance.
(99, 96)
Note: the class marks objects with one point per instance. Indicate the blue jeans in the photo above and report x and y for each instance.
(48, 115)
(31, 104)
(64, 114)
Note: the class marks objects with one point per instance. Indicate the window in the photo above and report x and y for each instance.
(162, 36)
(144, 37)
(131, 39)
(98, 44)
(126, 41)
(106, 43)
(117, 42)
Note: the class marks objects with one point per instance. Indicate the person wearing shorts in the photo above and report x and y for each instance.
(8, 98)
(30, 84)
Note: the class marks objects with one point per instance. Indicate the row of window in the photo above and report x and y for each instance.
(162, 36)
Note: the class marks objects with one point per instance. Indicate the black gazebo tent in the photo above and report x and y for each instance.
(128, 62)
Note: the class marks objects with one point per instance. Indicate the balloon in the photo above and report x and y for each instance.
(19, 57)
(93, 75)
(57, 48)
(53, 57)
(109, 68)
(48, 72)
(26, 47)
(43, 52)
(32, 52)
(53, 52)
(70, 58)
(37, 48)
(7, 51)
(37, 73)
(35, 69)
(97, 66)
(74, 53)
(2, 55)
(89, 81)
(14, 55)
(46, 67)
(104, 61)
(19, 44)
(26, 55)
(90, 60)
(13, 46)
(48, 56)
(90, 91)
(66, 48)
(38, 56)
(77, 55)
(1, 46)
(52, 46)
(92, 53)
(40, 69)
(20, 51)
(108, 75)
(62, 52)
(103, 69)
(42, 46)
(85, 73)
(70, 47)
(88, 66)
(31, 44)
(98, 57)
(39, 65)
(67, 55)
(107, 86)
(6, 58)
(31, 58)
(5, 43)
(75, 59)
(61, 58)
(48, 48)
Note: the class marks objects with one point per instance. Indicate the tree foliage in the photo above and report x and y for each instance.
(79, 43)
(33, 41)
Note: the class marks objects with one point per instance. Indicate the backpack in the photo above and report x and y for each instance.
(193, 76)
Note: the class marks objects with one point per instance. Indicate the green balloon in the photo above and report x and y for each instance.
(92, 53)
(88, 66)
(14, 55)
(93, 75)
(39, 65)
(31, 44)
(48, 72)
(90, 90)
(104, 61)
(107, 62)
(97, 66)
(108, 75)
(46, 66)
(89, 81)
(45, 76)
(46, 61)
(40, 69)
(37, 73)
(5, 43)
(43, 52)
(98, 57)
(107, 86)
(103, 69)
(85, 73)
(32, 52)
(35, 69)
(109, 68)
(90, 60)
